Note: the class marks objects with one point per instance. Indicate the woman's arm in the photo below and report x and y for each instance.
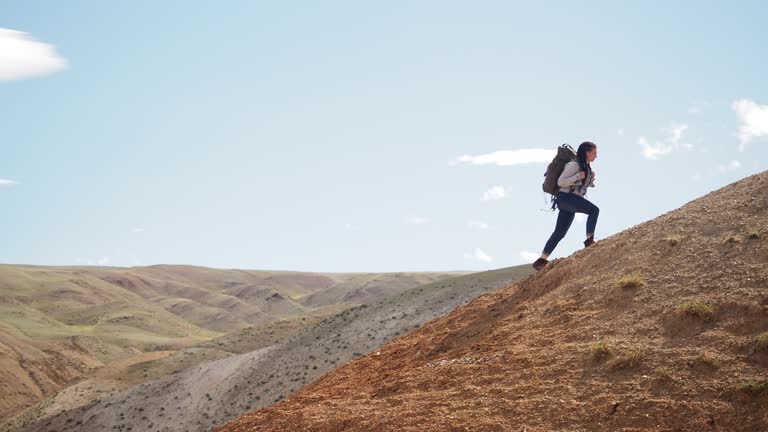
(591, 179)
(570, 175)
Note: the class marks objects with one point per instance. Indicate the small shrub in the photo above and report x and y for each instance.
(754, 387)
(632, 280)
(600, 350)
(754, 235)
(761, 343)
(673, 239)
(627, 360)
(697, 310)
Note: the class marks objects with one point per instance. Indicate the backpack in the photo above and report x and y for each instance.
(565, 154)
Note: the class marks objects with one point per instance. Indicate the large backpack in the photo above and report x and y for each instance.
(565, 154)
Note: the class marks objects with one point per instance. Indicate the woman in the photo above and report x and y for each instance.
(570, 200)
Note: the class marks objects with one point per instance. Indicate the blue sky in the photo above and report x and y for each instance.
(360, 136)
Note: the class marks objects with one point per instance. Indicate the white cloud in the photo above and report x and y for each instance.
(508, 157)
(494, 193)
(529, 257)
(478, 225)
(23, 57)
(88, 261)
(730, 166)
(620, 132)
(351, 227)
(478, 255)
(138, 230)
(671, 143)
(754, 120)
(580, 218)
(417, 220)
(6, 182)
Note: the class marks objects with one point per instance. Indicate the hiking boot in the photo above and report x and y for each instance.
(539, 264)
(589, 242)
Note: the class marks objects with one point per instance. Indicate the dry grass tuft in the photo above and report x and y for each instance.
(632, 280)
(701, 311)
(761, 343)
(709, 362)
(663, 373)
(673, 239)
(628, 360)
(600, 351)
(730, 239)
(754, 387)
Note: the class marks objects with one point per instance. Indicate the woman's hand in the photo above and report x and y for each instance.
(582, 174)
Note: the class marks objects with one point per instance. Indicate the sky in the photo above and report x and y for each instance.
(347, 136)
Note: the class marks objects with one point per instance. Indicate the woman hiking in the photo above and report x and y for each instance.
(577, 176)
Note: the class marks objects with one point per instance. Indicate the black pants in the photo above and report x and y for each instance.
(568, 205)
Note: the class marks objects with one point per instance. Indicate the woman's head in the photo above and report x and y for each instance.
(586, 153)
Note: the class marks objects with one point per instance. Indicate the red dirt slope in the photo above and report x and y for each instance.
(680, 344)
(30, 372)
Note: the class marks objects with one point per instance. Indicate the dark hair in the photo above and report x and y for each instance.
(581, 157)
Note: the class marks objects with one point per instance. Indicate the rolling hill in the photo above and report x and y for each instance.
(661, 327)
(60, 325)
(263, 369)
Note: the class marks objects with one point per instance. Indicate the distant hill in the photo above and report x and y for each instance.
(224, 300)
(59, 325)
(661, 327)
(207, 394)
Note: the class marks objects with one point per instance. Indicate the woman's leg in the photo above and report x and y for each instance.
(578, 204)
(564, 220)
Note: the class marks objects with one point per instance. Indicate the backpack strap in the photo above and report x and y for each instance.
(553, 201)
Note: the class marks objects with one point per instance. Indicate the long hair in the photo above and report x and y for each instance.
(581, 157)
